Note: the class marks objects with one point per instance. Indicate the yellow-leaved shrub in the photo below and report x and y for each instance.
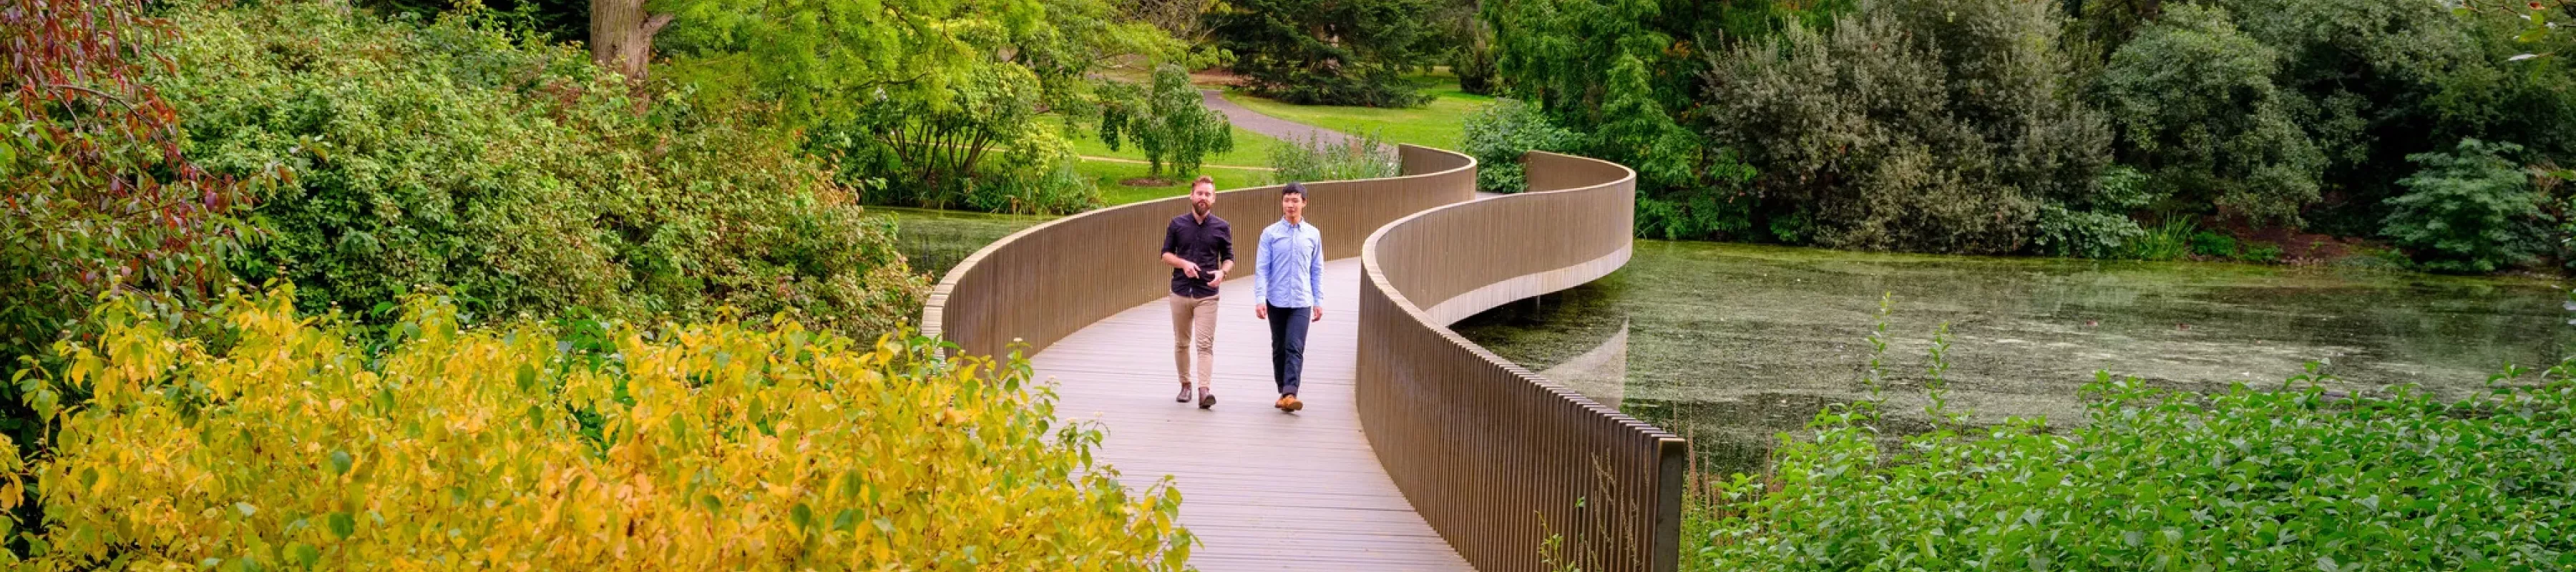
(285, 444)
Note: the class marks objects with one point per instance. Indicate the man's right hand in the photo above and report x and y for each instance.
(1261, 311)
(1190, 270)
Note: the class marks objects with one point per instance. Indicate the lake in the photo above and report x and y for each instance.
(934, 241)
(1732, 345)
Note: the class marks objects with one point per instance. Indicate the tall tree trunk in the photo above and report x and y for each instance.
(621, 35)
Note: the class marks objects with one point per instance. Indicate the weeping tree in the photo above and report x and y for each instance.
(1168, 120)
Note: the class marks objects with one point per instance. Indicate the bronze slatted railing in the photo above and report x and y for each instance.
(1495, 457)
(1047, 281)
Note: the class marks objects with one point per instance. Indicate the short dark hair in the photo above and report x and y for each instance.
(1293, 189)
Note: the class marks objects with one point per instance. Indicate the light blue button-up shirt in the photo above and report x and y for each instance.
(1291, 266)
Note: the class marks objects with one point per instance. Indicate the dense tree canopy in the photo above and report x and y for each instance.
(2197, 107)
(1919, 125)
(1331, 52)
(1990, 126)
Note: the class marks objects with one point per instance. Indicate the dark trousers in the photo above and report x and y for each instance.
(1288, 346)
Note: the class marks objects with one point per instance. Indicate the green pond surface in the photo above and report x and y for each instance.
(933, 241)
(1732, 345)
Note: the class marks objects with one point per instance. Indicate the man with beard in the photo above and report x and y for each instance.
(1200, 249)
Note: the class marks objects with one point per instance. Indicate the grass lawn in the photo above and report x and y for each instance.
(1441, 123)
(1107, 175)
(1250, 149)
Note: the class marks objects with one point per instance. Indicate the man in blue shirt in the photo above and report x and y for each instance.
(1288, 290)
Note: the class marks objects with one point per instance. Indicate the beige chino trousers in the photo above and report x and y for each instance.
(1194, 326)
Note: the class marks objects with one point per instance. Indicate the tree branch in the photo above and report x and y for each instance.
(653, 24)
(110, 97)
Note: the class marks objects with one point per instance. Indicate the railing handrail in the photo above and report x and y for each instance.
(1452, 478)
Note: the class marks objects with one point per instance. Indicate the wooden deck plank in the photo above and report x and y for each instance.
(1264, 490)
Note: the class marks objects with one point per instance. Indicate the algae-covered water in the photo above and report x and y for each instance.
(1734, 344)
(933, 241)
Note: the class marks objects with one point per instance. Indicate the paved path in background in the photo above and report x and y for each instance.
(1264, 490)
(1281, 129)
(1136, 162)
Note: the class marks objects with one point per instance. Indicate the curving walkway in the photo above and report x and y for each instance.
(1264, 490)
(1420, 450)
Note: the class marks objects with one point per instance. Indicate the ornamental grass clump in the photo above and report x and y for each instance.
(2293, 477)
(534, 446)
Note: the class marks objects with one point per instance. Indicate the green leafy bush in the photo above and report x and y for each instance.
(2213, 245)
(2084, 234)
(1361, 156)
(2098, 227)
(2295, 478)
(515, 175)
(2470, 211)
(1497, 136)
(716, 445)
(2260, 253)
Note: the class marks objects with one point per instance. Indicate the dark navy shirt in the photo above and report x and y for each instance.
(1207, 244)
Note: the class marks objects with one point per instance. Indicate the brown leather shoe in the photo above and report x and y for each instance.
(1207, 399)
(1289, 403)
(1185, 394)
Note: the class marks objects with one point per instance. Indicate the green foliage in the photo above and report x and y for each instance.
(2168, 241)
(2213, 245)
(2250, 479)
(2100, 229)
(1362, 156)
(1621, 74)
(1931, 117)
(2197, 109)
(2469, 211)
(2260, 253)
(515, 176)
(2378, 80)
(1914, 125)
(1318, 52)
(558, 21)
(1169, 121)
(905, 154)
(924, 102)
(2084, 234)
(716, 445)
(1499, 134)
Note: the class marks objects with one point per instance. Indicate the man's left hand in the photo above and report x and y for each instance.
(1214, 277)
(1315, 314)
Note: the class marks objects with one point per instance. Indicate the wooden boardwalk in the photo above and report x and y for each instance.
(1264, 490)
